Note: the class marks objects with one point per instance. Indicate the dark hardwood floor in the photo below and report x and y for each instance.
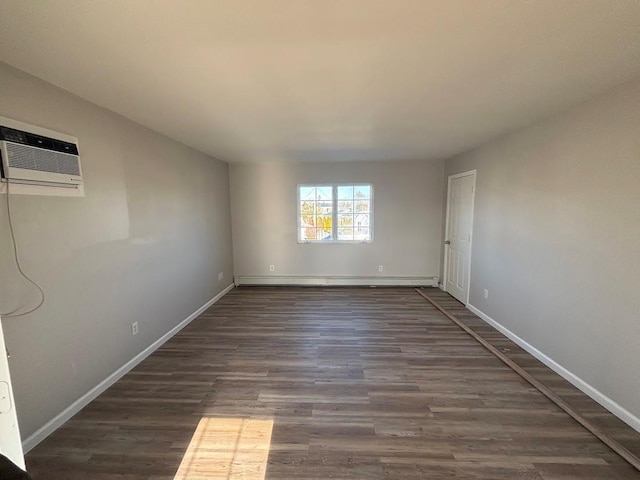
(319, 383)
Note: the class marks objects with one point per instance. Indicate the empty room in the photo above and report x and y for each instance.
(289, 239)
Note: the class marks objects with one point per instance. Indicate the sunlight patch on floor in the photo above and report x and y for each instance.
(227, 448)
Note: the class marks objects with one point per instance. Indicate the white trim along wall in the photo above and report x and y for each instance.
(614, 407)
(555, 244)
(56, 422)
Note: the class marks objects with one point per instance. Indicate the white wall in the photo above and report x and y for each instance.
(145, 244)
(407, 224)
(557, 240)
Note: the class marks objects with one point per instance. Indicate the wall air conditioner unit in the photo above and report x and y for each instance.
(36, 156)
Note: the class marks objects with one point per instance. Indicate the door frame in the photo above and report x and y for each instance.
(446, 229)
(10, 442)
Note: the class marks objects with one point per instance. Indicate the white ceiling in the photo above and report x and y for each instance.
(271, 80)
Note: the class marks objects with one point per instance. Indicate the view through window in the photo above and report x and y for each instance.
(335, 213)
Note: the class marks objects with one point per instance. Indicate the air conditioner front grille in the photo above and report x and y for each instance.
(30, 158)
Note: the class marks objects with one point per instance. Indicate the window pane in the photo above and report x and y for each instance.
(324, 208)
(361, 234)
(362, 191)
(308, 233)
(345, 234)
(324, 234)
(362, 206)
(362, 220)
(307, 212)
(345, 192)
(345, 206)
(345, 220)
(324, 193)
(324, 221)
(307, 193)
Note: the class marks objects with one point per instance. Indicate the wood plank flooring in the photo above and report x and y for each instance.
(581, 403)
(319, 383)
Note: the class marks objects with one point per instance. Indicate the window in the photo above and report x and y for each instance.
(335, 213)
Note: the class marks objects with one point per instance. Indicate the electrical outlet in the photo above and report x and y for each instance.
(220, 276)
(272, 268)
(486, 293)
(134, 328)
(380, 268)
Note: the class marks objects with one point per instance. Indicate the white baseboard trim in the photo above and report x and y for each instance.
(55, 423)
(615, 408)
(327, 281)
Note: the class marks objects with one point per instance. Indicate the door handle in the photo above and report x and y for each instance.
(447, 242)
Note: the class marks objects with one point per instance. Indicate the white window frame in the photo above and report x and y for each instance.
(334, 213)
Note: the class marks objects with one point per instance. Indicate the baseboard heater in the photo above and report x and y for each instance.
(328, 281)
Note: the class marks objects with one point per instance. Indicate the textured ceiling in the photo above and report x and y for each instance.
(296, 80)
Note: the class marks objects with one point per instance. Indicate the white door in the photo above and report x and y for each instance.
(460, 199)
(10, 444)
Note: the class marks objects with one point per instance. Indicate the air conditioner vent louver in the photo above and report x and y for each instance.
(37, 156)
(21, 156)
